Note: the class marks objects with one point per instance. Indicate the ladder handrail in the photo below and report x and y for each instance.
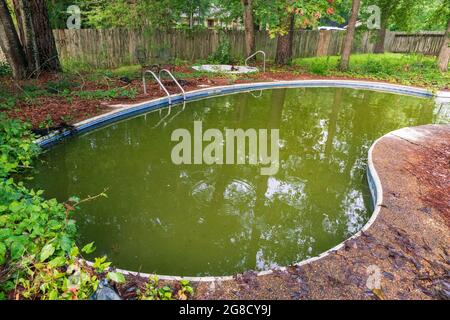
(251, 56)
(164, 118)
(175, 80)
(257, 96)
(157, 80)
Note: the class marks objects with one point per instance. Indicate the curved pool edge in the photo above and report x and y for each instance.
(123, 111)
(376, 189)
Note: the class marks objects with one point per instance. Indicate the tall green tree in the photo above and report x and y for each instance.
(444, 53)
(156, 14)
(36, 35)
(283, 16)
(249, 27)
(442, 16)
(348, 41)
(398, 13)
(10, 43)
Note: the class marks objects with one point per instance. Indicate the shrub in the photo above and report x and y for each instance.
(38, 255)
(7, 100)
(39, 258)
(5, 69)
(63, 85)
(406, 69)
(223, 53)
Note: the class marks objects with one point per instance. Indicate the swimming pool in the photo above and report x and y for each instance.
(200, 220)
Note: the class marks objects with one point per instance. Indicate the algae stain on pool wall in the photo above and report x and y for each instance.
(212, 219)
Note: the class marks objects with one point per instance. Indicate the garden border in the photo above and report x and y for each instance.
(127, 111)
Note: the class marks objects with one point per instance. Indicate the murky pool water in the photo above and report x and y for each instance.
(222, 219)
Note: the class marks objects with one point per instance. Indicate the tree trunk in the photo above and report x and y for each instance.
(10, 44)
(249, 27)
(284, 43)
(26, 33)
(444, 54)
(36, 35)
(348, 42)
(379, 45)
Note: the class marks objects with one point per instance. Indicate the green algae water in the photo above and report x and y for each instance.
(199, 220)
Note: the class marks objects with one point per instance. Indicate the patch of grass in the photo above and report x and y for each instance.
(60, 86)
(75, 65)
(132, 72)
(30, 92)
(406, 69)
(7, 100)
(106, 94)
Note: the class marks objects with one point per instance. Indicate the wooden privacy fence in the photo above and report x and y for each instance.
(107, 48)
(428, 43)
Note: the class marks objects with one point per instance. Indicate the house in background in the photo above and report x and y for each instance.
(214, 18)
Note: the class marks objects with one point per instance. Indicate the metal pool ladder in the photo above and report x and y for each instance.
(175, 80)
(158, 80)
(251, 56)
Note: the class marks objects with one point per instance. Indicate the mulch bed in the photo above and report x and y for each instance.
(62, 110)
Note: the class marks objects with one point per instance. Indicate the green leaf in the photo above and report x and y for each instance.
(2, 253)
(17, 250)
(116, 277)
(47, 251)
(53, 295)
(74, 252)
(184, 282)
(89, 248)
(57, 262)
(66, 243)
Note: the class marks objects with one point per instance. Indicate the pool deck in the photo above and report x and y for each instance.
(406, 248)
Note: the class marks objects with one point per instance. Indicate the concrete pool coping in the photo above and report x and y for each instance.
(225, 68)
(127, 111)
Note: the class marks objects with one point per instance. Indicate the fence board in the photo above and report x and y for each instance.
(108, 48)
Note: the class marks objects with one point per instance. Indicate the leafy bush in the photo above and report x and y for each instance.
(39, 258)
(38, 255)
(406, 69)
(16, 146)
(30, 92)
(7, 100)
(63, 85)
(222, 55)
(319, 68)
(5, 69)
(154, 290)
